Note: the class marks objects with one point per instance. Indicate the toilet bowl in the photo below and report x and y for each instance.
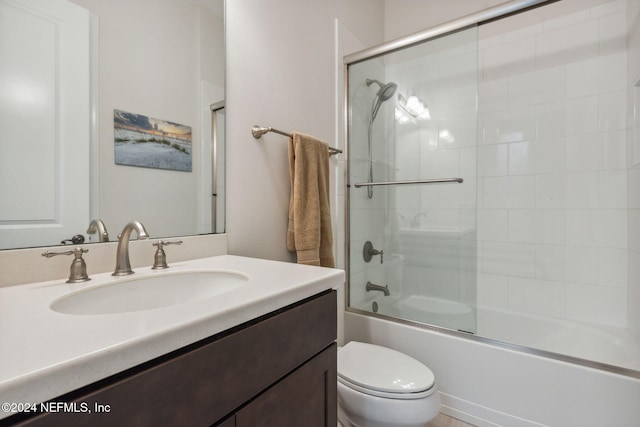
(381, 387)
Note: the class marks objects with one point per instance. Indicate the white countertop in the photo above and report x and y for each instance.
(44, 354)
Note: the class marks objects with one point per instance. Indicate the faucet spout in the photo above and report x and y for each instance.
(373, 287)
(98, 225)
(123, 264)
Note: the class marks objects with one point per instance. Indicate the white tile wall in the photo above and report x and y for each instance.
(558, 164)
(552, 164)
(633, 190)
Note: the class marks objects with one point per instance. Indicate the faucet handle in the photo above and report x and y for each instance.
(368, 252)
(78, 269)
(160, 258)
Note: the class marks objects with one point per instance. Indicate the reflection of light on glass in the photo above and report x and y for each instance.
(401, 117)
(411, 109)
(21, 93)
(417, 108)
(447, 136)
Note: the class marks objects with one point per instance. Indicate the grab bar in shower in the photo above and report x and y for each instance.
(419, 181)
(258, 131)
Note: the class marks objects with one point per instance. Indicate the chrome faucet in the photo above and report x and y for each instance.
(123, 265)
(373, 287)
(98, 225)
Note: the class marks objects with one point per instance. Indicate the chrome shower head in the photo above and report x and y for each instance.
(385, 93)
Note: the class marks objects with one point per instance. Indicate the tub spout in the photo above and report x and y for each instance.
(373, 287)
(123, 265)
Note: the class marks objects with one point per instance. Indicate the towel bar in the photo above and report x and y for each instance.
(258, 131)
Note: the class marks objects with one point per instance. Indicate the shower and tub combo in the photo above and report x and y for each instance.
(498, 246)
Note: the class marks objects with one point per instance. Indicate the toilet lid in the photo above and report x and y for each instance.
(382, 369)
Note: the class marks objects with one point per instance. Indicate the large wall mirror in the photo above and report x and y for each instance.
(110, 110)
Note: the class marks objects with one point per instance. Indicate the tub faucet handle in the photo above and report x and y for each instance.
(368, 252)
(160, 258)
(78, 269)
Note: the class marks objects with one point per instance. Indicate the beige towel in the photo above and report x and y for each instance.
(309, 230)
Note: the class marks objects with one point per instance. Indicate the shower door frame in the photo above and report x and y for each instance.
(460, 24)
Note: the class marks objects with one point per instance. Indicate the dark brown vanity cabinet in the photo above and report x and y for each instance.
(277, 370)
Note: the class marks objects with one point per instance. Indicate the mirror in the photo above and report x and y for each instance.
(75, 68)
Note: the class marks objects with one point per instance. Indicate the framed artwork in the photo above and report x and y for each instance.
(151, 143)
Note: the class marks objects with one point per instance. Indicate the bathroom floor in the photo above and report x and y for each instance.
(446, 421)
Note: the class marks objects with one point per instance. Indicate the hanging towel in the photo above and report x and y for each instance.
(309, 231)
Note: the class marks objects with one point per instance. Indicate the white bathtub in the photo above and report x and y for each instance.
(423, 309)
(613, 346)
(493, 385)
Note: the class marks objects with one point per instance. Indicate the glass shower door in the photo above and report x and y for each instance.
(412, 182)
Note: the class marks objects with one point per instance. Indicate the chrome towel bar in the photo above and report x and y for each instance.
(419, 181)
(258, 131)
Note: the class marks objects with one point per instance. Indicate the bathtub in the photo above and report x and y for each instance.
(608, 345)
(488, 383)
(437, 311)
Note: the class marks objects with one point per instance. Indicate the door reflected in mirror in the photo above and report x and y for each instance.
(57, 145)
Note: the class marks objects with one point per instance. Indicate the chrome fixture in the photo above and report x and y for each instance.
(386, 92)
(160, 258)
(123, 265)
(418, 181)
(373, 287)
(78, 269)
(258, 131)
(368, 252)
(495, 12)
(97, 225)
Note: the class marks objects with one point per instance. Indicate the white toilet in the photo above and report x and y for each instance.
(381, 387)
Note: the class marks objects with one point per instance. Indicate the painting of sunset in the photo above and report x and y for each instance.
(151, 143)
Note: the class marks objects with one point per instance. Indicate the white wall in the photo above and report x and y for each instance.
(552, 163)
(152, 60)
(282, 73)
(410, 16)
(633, 108)
(552, 228)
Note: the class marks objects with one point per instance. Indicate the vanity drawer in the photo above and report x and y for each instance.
(204, 382)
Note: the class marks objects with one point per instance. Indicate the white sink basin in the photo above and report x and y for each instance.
(149, 292)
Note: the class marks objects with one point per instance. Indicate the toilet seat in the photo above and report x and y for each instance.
(383, 372)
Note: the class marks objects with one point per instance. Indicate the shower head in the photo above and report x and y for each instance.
(385, 93)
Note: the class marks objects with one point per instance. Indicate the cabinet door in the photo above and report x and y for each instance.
(306, 397)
